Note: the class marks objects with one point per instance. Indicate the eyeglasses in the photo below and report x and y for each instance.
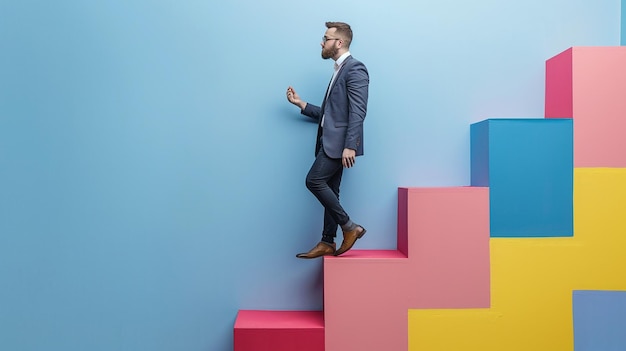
(324, 39)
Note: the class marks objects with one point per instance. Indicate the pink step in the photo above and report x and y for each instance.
(588, 85)
(279, 331)
(442, 261)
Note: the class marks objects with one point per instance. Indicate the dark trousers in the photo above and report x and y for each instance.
(323, 180)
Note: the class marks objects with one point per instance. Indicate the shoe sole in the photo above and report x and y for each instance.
(310, 258)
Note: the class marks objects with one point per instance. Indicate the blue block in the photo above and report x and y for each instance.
(599, 320)
(528, 164)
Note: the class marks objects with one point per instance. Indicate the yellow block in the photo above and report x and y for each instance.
(532, 279)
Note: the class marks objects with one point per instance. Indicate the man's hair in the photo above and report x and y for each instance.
(343, 29)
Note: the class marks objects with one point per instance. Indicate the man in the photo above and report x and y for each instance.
(339, 137)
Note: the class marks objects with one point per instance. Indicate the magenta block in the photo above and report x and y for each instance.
(442, 261)
(588, 85)
(279, 331)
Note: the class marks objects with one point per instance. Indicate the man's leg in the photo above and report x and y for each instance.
(330, 226)
(318, 181)
(323, 181)
(323, 170)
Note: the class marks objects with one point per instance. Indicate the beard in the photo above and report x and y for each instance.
(330, 52)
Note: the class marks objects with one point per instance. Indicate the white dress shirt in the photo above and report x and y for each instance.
(338, 65)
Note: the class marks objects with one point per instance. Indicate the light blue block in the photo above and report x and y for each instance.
(528, 166)
(599, 320)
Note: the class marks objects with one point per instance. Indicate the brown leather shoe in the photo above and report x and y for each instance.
(321, 249)
(349, 238)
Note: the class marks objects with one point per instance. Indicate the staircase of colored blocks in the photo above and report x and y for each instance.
(502, 264)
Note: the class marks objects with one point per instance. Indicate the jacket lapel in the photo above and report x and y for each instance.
(330, 87)
(341, 70)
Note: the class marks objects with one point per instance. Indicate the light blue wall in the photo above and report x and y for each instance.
(152, 173)
(623, 22)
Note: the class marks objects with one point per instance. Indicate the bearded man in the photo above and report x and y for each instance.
(339, 137)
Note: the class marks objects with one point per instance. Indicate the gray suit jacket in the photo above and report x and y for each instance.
(344, 110)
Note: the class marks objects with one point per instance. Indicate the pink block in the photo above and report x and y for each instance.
(279, 331)
(559, 86)
(367, 294)
(588, 85)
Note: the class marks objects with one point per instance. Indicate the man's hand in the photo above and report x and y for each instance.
(294, 98)
(348, 158)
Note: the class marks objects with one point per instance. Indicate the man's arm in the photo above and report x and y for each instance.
(294, 98)
(306, 109)
(357, 86)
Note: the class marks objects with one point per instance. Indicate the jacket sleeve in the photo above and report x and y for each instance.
(357, 85)
(312, 111)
